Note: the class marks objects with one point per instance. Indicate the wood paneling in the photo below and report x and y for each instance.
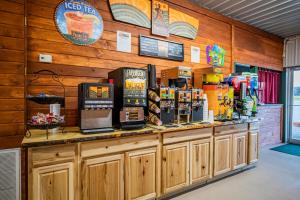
(250, 48)
(12, 73)
(92, 63)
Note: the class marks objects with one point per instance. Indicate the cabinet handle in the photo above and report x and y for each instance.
(239, 148)
(197, 153)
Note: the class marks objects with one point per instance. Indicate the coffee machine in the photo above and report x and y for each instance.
(130, 94)
(95, 104)
(183, 103)
(197, 105)
(162, 103)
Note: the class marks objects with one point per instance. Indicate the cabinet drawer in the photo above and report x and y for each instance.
(254, 126)
(188, 135)
(60, 153)
(228, 129)
(96, 148)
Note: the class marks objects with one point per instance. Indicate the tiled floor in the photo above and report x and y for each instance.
(277, 177)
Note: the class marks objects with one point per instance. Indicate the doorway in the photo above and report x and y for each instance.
(293, 100)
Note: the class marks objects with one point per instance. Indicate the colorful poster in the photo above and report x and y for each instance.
(78, 22)
(215, 55)
(182, 24)
(137, 12)
(160, 18)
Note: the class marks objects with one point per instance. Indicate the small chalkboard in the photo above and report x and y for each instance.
(153, 47)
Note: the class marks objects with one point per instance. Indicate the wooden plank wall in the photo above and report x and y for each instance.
(79, 64)
(12, 73)
(256, 50)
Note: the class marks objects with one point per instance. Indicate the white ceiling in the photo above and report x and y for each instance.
(280, 17)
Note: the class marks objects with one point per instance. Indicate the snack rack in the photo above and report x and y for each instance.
(45, 100)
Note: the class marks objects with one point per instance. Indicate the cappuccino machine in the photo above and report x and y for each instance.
(95, 104)
(197, 105)
(188, 102)
(130, 91)
(161, 101)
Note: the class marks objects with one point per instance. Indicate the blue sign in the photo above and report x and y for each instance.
(78, 22)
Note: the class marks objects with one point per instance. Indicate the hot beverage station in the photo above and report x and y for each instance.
(134, 98)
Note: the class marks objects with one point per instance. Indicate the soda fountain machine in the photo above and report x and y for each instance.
(95, 104)
(130, 97)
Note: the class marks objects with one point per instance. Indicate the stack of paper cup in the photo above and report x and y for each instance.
(205, 108)
(55, 109)
(211, 116)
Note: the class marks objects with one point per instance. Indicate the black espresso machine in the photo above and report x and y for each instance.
(95, 104)
(130, 97)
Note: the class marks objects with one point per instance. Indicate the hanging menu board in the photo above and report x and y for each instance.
(161, 48)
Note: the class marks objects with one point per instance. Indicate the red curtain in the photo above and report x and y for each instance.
(269, 86)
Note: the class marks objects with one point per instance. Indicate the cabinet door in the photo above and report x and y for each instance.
(222, 154)
(239, 150)
(253, 147)
(53, 182)
(200, 160)
(102, 178)
(175, 166)
(141, 174)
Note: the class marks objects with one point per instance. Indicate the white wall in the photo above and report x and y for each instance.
(292, 51)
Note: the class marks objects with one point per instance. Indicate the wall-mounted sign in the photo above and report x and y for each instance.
(137, 12)
(123, 41)
(195, 54)
(182, 24)
(78, 22)
(215, 55)
(161, 48)
(160, 18)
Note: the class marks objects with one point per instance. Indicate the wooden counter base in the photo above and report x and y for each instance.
(143, 164)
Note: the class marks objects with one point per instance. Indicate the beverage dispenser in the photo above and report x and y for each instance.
(95, 104)
(130, 97)
(197, 105)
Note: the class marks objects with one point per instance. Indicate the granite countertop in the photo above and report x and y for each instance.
(73, 134)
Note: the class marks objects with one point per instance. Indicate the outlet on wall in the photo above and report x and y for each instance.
(45, 58)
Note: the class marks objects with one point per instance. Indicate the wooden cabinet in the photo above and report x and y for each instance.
(102, 178)
(222, 154)
(53, 182)
(200, 160)
(175, 166)
(253, 147)
(142, 174)
(239, 150)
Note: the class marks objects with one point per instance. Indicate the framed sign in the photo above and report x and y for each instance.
(79, 22)
(153, 47)
(215, 55)
(160, 18)
(182, 24)
(137, 12)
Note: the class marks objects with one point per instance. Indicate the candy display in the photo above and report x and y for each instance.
(46, 119)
